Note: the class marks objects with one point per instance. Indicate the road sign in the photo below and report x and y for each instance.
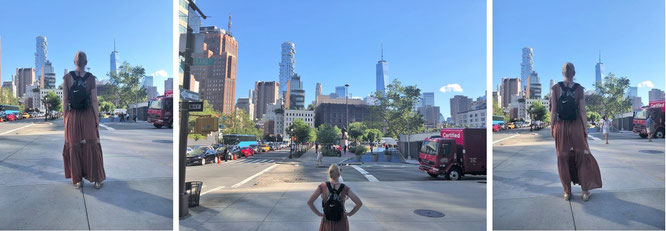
(203, 62)
(187, 95)
(195, 106)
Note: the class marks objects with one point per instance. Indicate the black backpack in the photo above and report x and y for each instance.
(79, 96)
(567, 106)
(333, 205)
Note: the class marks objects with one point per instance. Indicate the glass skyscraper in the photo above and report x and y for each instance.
(41, 54)
(287, 66)
(526, 67)
(382, 74)
(599, 71)
(114, 59)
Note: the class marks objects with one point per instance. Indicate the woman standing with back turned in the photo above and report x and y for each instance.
(575, 162)
(82, 153)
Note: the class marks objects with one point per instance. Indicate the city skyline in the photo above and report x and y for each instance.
(96, 36)
(336, 48)
(559, 33)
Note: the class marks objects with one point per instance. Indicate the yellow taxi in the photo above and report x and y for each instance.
(265, 148)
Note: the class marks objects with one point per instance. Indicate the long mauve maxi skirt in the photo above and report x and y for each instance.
(82, 153)
(575, 162)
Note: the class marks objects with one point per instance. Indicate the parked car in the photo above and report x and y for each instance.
(265, 148)
(188, 150)
(256, 148)
(25, 115)
(247, 151)
(497, 127)
(10, 117)
(510, 125)
(201, 155)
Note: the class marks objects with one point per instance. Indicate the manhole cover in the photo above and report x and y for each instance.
(651, 151)
(163, 141)
(428, 213)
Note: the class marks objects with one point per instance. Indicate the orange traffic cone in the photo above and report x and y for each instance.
(219, 159)
(234, 156)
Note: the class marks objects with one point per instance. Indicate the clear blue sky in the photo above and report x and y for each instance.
(143, 32)
(429, 43)
(629, 34)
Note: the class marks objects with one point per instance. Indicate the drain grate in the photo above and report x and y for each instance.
(163, 141)
(651, 151)
(428, 213)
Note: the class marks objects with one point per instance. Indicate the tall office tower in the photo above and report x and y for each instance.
(250, 96)
(459, 103)
(265, 93)
(428, 99)
(217, 57)
(551, 85)
(187, 15)
(382, 77)
(41, 54)
(317, 91)
(147, 81)
(510, 87)
(632, 92)
(655, 94)
(115, 63)
(599, 71)
(287, 66)
(526, 66)
(296, 93)
(25, 77)
(533, 90)
(48, 79)
(340, 92)
(246, 105)
(168, 84)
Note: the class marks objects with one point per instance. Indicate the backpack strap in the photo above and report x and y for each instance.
(73, 74)
(85, 77)
(341, 188)
(573, 88)
(331, 189)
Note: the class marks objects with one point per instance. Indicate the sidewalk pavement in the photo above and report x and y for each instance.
(527, 193)
(386, 206)
(310, 158)
(137, 193)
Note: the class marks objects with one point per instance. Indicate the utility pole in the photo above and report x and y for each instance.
(182, 144)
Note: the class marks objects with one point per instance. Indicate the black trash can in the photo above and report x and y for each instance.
(193, 190)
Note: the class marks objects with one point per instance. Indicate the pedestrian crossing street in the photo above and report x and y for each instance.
(248, 161)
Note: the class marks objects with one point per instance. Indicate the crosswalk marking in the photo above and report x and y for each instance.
(248, 161)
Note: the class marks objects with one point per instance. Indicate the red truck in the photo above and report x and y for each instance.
(455, 153)
(654, 108)
(160, 110)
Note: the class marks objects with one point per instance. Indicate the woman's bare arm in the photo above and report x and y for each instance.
(583, 113)
(312, 199)
(357, 202)
(65, 96)
(95, 101)
(553, 111)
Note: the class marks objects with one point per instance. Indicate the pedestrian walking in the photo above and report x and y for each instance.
(333, 194)
(82, 152)
(316, 147)
(605, 127)
(345, 149)
(575, 162)
(320, 155)
(649, 123)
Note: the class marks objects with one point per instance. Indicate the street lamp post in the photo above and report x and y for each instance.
(346, 107)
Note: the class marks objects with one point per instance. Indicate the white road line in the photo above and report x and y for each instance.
(107, 127)
(253, 176)
(216, 188)
(593, 137)
(366, 174)
(16, 129)
(506, 138)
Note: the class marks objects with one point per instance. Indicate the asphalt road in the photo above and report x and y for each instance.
(137, 193)
(527, 193)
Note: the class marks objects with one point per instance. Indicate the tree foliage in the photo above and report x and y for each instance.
(328, 135)
(357, 131)
(302, 131)
(394, 111)
(498, 111)
(52, 101)
(7, 97)
(373, 135)
(239, 122)
(537, 111)
(609, 97)
(125, 87)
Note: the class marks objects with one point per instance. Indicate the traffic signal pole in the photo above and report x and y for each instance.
(184, 116)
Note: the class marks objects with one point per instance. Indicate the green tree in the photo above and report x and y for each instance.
(52, 102)
(394, 111)
(593, 116)
(357, 130)
(239, 122)
(7, 97)
(537, 111)
(303, 132)
(125, 85)
(374, 135)
(328, 135)
(609, 97)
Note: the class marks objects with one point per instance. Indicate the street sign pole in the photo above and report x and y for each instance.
(182, 144)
